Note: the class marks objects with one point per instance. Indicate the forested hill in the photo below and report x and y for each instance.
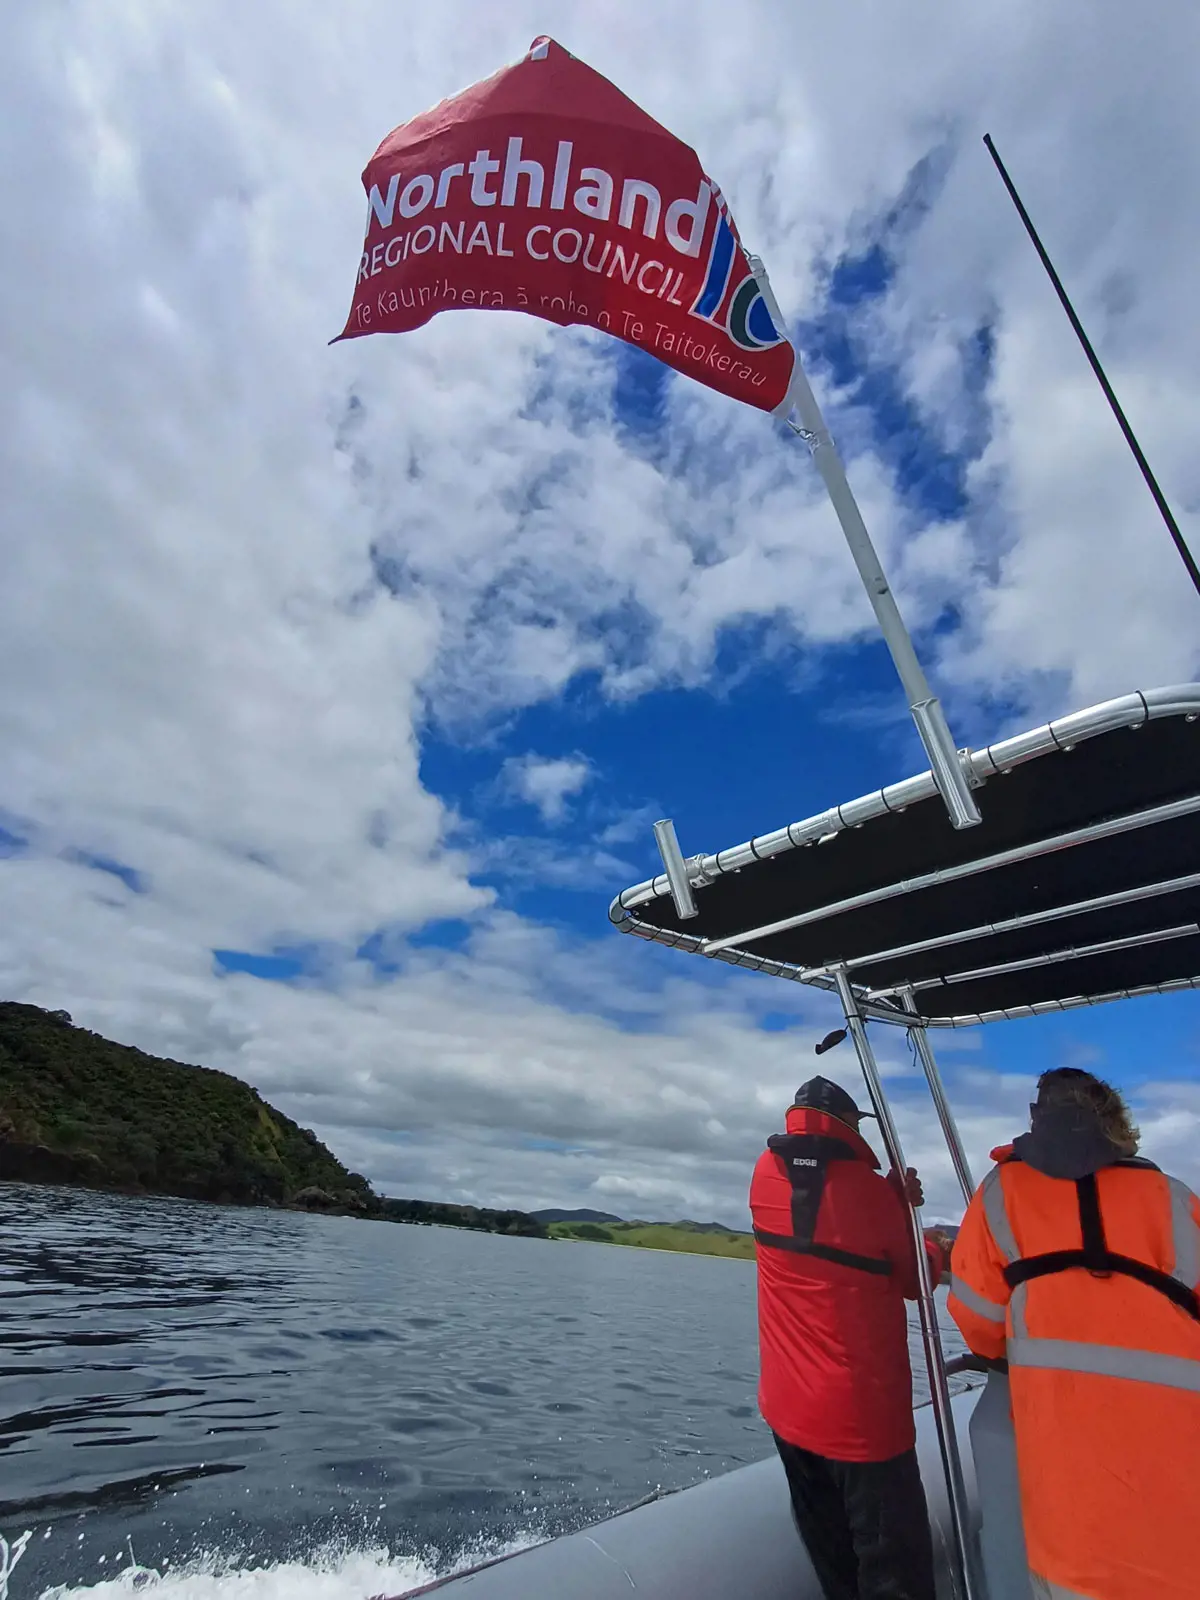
(77, 1108)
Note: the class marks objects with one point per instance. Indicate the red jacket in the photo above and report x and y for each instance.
(833, 1338)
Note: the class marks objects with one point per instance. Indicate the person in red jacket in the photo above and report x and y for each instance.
(836, 1263)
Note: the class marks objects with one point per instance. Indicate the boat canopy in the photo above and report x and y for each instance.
(1081, 884)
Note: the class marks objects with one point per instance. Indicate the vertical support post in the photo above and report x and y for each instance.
(919, 1038)
(926, 708)
(675, 868)
(960, 1563)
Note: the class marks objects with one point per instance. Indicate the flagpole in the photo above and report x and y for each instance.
(944, 760)
(1185, 555)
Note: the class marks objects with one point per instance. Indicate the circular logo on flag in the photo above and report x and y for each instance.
(750, 324)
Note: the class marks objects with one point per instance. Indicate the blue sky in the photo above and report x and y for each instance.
(775, 733)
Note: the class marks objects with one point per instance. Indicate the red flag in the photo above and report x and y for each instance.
(544, 189)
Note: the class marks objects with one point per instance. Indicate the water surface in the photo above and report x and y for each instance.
(225, 1392)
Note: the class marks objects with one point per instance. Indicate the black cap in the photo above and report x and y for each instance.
(818, 1094)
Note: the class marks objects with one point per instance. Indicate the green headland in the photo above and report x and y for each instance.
(76, 1108)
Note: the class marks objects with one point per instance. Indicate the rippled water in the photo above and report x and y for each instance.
(223, 1392)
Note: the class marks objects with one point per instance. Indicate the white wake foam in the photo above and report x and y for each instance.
(332, 1574)
(10, 1554)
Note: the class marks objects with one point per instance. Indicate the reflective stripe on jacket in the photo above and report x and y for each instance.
(1104, 1368)
(835, 1264)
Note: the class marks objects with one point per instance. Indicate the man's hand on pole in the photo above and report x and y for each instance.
(909, 1187)
(910, 1190)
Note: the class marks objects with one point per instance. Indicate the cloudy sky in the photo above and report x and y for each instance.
(339, 687)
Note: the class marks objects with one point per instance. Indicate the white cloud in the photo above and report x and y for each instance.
(546, 782)
(657, 1197)
(517, 1071)
(201, 678)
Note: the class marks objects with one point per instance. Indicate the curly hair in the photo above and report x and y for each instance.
(1072, 1086)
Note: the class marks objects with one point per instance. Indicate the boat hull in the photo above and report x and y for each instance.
(731, 1535)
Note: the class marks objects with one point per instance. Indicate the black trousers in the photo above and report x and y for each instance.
(865, 1524)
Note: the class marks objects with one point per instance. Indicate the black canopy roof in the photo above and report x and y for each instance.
(1082, 882)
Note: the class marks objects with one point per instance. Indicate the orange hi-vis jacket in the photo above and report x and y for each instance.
(1087, 1285)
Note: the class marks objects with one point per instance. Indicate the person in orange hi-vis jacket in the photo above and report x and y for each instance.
(1079, 1263)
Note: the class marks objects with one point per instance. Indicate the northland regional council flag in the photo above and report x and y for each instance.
(544, 189)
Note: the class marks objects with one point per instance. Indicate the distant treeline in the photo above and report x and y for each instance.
(451, 1216)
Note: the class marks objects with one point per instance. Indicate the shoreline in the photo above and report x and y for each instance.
(292, 1209)
(658, 1249)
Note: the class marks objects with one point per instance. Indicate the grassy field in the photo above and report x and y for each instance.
(659, 1236)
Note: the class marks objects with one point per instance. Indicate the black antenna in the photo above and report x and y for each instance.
(1185, 555)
